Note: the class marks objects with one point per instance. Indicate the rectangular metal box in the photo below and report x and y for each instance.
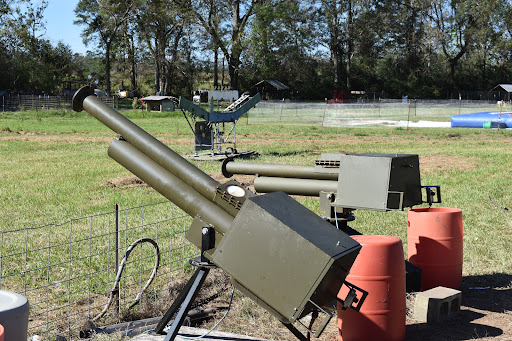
(285, 257)
(203, 137)
(379, 182)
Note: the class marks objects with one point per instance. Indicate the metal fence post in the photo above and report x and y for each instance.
(325, 112)
(117, 289)
(408, 114)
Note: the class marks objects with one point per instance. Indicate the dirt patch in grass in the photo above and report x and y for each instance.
(77, 138)
(42, 138)
(245, 180)
(125, 182)
(485, 314)
(433, 163)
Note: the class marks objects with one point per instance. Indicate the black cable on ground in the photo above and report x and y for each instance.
(115, 288)
(504, 207)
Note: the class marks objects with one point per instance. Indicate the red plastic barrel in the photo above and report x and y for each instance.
(1, 333)
(380, 270)
(434, 244)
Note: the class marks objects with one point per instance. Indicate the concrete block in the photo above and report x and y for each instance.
(437, 304)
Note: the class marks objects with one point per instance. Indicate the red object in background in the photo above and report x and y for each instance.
(339, 96)
(434, 244)
(379, 269)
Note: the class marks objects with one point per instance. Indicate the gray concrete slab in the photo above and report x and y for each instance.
(196, 332)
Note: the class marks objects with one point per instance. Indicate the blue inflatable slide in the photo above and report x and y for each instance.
(490, 119)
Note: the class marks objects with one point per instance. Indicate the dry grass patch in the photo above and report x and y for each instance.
(434, 163)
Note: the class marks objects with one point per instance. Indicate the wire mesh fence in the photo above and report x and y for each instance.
(338, 114)
(11, 102)
(67, 271)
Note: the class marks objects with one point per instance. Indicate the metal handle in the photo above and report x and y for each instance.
(430, 194)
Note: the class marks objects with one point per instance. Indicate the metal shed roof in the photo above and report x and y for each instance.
(156, 98)
(506, 87)
(275, 83)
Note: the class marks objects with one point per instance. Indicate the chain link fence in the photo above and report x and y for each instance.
(365, 111)
(67, 271)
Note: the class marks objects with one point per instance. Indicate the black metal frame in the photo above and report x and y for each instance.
(188, 294)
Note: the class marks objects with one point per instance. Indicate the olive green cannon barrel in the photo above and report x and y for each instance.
(84, 99)
(306, 187)
(169, 185)
(156, 164)
(229, 168)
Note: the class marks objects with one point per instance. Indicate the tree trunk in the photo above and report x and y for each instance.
(223, 71)
(108, 45)
(157, 75)
(170, 65)
(133, 72)
(350, 44)
(334, 43)
(234, 58)
(233, 71)
(216, 67)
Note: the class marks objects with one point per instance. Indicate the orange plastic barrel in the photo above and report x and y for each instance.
(379, 269)
(434, 244)
(1, 333)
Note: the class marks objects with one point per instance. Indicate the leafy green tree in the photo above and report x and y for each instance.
(21, 26)
(233, 44)
(162, 27)
(102, 20)
(283, 45)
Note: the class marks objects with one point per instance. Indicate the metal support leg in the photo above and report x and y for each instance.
(295, 331)
(183, 303)
(189, 293)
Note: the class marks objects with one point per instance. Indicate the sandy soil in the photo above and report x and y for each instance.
(485, 314)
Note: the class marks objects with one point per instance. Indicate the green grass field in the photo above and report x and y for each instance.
(55, 165)
(54, 168)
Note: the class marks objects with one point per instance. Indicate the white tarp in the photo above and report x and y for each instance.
(226, 95)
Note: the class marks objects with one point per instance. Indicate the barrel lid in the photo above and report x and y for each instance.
(11, 300)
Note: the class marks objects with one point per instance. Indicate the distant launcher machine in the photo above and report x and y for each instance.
(344, 183)
(277, 252)
(210, 132)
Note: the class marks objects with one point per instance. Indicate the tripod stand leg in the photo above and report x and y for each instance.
(295, 331)
(183, 303)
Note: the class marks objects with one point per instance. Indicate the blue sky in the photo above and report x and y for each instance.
(59, 17)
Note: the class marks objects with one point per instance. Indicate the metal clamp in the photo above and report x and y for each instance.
(431, 194)
(352, 298)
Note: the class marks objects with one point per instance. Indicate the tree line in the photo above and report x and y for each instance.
(419, 48)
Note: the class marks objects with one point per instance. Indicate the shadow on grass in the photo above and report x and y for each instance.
(490, 294)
